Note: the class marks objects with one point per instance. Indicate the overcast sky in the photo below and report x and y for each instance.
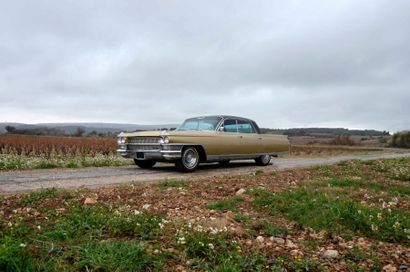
(282, 63)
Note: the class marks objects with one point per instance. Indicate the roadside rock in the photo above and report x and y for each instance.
(90, 201)
(331, 254)
(296, 253)
(260, 239)
(290, 244)
(278, 240)
(240, 191)
(389, 268)
(229, 216)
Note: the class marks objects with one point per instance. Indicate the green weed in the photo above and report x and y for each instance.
(374, 186)
(226, 204)
(112, 256)
(173, 183)
(217, 252)
(317, 210)
(37, 196)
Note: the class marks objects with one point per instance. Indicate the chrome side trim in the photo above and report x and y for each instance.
(215, 158)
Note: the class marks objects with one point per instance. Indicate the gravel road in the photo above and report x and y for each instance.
(27, 180)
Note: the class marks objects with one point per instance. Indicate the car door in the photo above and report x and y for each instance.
(249, 139)
(228, 139)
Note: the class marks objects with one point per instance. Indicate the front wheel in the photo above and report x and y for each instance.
(144, 164)
(189, 160)
(263, 160)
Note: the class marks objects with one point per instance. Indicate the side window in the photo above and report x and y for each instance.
(245, 127)
(230, 126)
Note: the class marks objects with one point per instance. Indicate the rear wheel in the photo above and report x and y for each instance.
(189, 160)
(263, 160)
(144, 164)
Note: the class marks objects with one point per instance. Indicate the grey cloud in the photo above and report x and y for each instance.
(282, 63)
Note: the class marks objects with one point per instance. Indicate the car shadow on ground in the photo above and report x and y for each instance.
(204, 166)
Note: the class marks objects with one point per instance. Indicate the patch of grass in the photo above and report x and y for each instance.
(312, 244)
(14, 256)
(217, 252)
(317, 210)
(173, 183)
(356, 255)
(225, 204)
(374, 186)
(18, 162)
(144, 226)
(305, 264)
(243, 218)
(88, 237)
(99, 221)
(37, 196)
(275, 230)
(110, 256)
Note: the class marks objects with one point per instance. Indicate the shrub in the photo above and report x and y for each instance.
(401, 139)
(342, 140)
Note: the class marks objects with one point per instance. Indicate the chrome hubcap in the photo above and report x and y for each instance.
(265, 158)
(190, 158)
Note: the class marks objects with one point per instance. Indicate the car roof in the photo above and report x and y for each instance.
(223, 116)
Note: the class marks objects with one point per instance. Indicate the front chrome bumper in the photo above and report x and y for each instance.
(165, 152)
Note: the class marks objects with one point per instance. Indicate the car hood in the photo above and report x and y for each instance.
(158, 133)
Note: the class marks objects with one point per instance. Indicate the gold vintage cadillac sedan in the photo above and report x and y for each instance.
(202, 139)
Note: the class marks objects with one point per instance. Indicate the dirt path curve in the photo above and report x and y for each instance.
(27, 180)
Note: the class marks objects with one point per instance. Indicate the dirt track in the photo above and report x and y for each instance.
(27, 180)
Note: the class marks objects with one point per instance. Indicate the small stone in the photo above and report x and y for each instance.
(248, 242)
(146, 206)
(229, 216)
(295, 252)
(331, 253)
(90, 201)
(260, 239)
(278, 240)
(290, 244)
(403, 267)
(389, 268)
(240, 191)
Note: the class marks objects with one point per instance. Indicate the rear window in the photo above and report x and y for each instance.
(245, 127)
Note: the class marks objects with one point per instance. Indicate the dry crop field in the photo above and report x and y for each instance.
(323, 150)
(26, 152)
(353, 216)
(32, 152)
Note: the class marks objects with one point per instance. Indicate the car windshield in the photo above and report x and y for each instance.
(200, 123)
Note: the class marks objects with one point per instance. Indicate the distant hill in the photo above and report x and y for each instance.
(114, 128)
(70, 128)
(325, 132)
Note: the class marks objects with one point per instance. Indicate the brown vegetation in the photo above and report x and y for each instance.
(342, 140)
(48, 145)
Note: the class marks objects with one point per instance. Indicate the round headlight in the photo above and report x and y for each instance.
(166, 140)
(121, 140)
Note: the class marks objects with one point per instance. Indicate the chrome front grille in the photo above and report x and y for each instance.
(143, 147)
(144, 140)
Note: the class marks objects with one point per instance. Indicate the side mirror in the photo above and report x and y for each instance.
(221, 128)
